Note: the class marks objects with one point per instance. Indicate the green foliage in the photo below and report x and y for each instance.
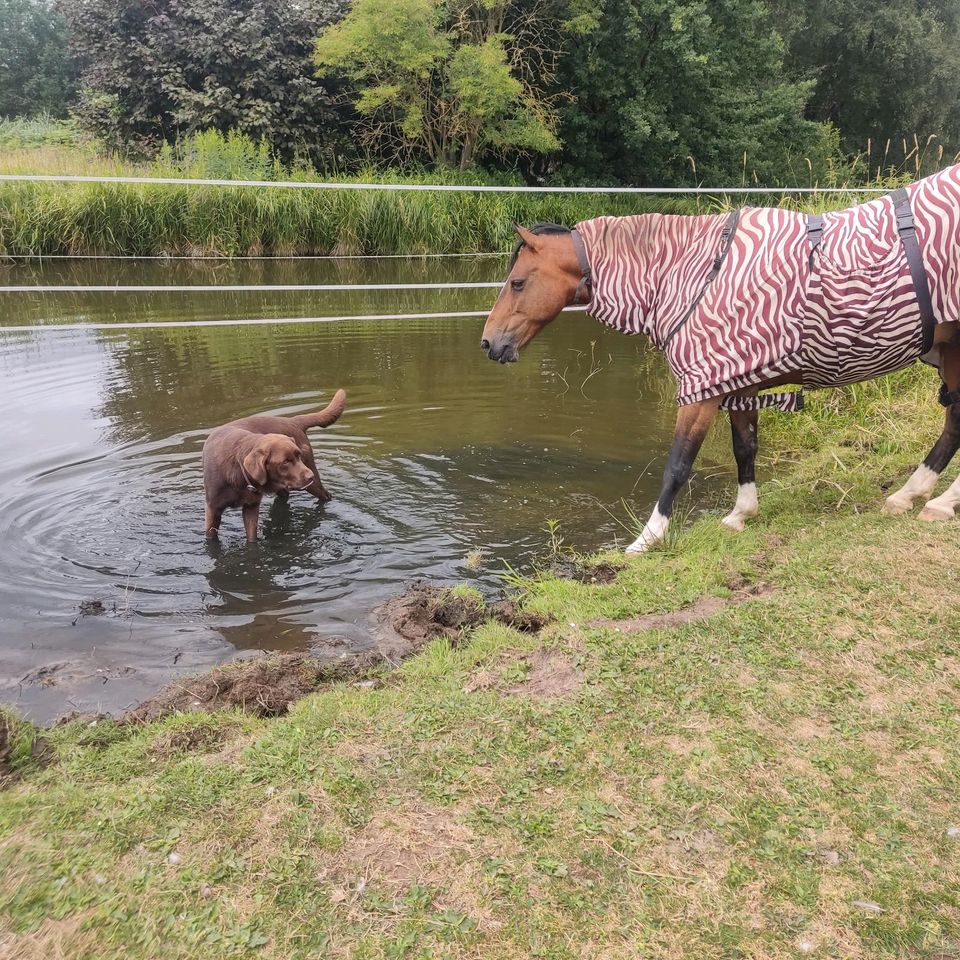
(42, 131)
(882, 71)
(681, 92)
(36, 74)
(153, 73)
(441, 83)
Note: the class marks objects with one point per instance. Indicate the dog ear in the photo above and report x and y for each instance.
(255, 465)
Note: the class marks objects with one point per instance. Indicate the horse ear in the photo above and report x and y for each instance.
(529, 238)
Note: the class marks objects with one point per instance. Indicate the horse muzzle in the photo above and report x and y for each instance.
(503, 351)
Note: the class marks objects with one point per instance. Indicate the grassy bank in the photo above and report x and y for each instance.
(767, 778)
(37, 218)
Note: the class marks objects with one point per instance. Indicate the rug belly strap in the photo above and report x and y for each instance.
(788, 402)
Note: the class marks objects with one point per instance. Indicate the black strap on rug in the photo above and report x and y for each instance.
(586, 274)
(726, 239)
(814, 233)
(911, 247)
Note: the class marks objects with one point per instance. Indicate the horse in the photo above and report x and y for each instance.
(754, 299)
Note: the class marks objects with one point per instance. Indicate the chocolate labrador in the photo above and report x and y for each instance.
(247, 458)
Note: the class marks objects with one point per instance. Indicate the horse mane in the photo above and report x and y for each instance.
(539, 229)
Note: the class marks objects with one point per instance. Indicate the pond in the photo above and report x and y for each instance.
(445, 466)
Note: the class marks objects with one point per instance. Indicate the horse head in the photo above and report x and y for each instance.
(545, 276)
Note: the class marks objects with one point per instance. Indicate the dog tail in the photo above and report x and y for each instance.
(323, 418)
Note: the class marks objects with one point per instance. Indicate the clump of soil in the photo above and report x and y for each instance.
(409, 621)
(265, 686)
(508, 613)
(568, 568)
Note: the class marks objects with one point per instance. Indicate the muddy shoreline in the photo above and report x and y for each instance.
(267, 683)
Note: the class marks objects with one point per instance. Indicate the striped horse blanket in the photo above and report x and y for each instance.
(777, 309)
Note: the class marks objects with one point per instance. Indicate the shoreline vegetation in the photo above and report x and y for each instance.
(169, 220)
(735, 746)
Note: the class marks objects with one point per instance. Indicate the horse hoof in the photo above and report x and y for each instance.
(894, 506)
(933, 514)
(734, 522)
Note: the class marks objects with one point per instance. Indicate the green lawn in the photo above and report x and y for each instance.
(774, 780)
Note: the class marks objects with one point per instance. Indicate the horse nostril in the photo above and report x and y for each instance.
(484, 344)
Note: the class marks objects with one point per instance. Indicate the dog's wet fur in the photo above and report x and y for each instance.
(248, 458)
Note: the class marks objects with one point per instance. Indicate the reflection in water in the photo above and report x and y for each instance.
(440, 453)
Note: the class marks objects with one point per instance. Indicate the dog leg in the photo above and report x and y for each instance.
(251, 515)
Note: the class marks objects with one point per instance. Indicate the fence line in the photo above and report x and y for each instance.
(249, 322)
(243, 288)
(423, 187)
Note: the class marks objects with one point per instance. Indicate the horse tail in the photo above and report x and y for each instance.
(323, 418)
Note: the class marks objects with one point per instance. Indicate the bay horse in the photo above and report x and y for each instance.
(759, 298)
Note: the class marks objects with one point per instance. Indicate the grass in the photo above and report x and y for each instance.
(773, 781)
(155, 219)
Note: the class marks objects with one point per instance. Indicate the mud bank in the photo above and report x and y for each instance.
(267, 686)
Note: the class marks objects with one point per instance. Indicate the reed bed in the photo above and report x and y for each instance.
(164, 219)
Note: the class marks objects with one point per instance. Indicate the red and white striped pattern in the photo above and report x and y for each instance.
(767, 315)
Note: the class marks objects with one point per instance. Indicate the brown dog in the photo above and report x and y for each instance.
(247, 458)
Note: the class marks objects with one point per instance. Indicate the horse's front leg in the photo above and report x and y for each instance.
(693, 422)
(743, 425)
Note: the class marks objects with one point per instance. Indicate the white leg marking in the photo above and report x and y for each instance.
(746, 506)
(921, 484)
(942, 507)
(653, 533)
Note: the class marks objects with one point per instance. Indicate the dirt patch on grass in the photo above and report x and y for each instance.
(408, 622)
(547, 674)
(698, 610)
(189, 740)
(265, 686)
(567, 568)
(52, 940)
(399, 848)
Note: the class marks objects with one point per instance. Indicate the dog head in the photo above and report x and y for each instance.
(276, 465)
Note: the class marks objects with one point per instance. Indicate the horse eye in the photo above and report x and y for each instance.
(518, 284)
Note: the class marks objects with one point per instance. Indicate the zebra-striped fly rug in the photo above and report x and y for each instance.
(844, 313)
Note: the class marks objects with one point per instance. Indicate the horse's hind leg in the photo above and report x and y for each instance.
(743, 425)
(924, 478)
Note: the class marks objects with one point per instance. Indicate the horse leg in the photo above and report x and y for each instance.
(743, 424)
(693, 422)
(924, 478)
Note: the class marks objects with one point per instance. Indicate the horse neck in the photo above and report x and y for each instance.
(632, 259)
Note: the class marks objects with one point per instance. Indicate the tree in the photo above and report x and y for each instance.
(446, 82)
(153, 72)
(684, 91)
(36, 75)
(887, 70)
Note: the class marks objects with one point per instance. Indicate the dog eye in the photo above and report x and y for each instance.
(518, 283)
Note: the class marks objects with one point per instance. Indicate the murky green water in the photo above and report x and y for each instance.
(441, 453)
